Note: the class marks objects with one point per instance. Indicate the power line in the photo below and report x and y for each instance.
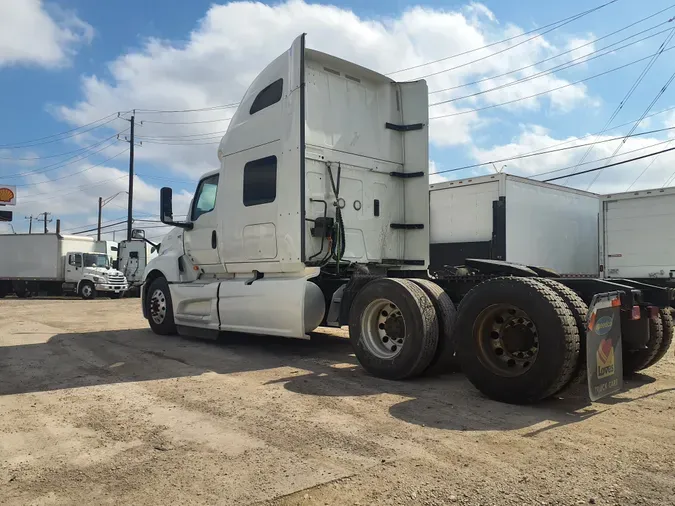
(646, 168)
(96, 228)
(630, 92)
(550, 27)
(85, 148)
(562, 66)
(74, 173)
(169, 137)
(611, 165)
(557, 150)
(73, 133)
(79, 189)
(467, 111)
(186, 122)
(212, 108)
(65, 163)
(660, 143)
(637, 123)
(555, 25)
(570, 50)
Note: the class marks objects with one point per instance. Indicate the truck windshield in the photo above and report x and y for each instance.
(93, 260)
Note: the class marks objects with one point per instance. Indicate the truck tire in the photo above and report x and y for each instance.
(444, 359)
(22, 290)
(160, 308)
(516, 339)
(393, 328)
(87, 290)
(668, 329)
(637, 360)
(579, 310)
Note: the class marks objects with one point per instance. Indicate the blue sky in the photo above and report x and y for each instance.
(47, 89)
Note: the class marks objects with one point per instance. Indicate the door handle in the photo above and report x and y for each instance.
(214, 240)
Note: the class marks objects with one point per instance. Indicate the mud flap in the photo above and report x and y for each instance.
(603, 346)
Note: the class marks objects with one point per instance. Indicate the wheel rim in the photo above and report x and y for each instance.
(508, 341)
(383, 329)
(158, 306)
(86, 291)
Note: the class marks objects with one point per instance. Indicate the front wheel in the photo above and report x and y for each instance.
(87, 290)
(159, 308)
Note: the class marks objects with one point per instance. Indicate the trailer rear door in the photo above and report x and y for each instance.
(639, 241)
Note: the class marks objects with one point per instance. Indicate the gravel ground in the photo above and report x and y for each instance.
(98, 410)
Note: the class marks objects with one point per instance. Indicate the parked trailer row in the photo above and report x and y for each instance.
(319, 215)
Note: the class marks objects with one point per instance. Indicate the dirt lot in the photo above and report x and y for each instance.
(95, 409)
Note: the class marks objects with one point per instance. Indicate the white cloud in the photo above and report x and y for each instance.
(225, 52)
(611, 180)
(34, 35)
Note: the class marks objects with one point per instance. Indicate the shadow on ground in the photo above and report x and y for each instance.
(324, 366)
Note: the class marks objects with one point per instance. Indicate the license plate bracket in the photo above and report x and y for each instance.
(603, 346)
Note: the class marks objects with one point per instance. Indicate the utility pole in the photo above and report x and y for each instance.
(100, 208)
(130, 140)
(30, 223)
(45, 218)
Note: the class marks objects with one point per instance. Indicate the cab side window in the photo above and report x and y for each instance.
(75, 260)
(205, 199)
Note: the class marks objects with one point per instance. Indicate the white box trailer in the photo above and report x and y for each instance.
(56, 264)
(637, 235)
(505, 217)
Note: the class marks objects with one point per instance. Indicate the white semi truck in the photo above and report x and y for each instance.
(319, 215)
(57, 264)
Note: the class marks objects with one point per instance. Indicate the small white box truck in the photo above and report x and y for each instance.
(57, 264)
(638, 239)
(511, 218)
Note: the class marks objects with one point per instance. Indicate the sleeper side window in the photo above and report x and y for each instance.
(268, 96)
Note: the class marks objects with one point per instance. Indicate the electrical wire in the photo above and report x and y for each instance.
(660, 143)
(553, 26)
(186, 122)
(548, 152)
(75, 173)
(570, 50)
(73, 133)
(550, 27)
(66, 162)
(169, 137)
(96, 228)
(581, 60)
(467, 111)
(645, 169)
(79, 189)
(630, 92)
(611, 165)
(637, 123)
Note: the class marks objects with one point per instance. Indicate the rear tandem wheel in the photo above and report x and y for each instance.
(517, 340)
(393, 328)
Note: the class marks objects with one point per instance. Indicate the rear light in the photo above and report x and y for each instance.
(635, 313)
(653, 311)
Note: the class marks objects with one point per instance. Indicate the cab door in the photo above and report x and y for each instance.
(74, 268)
(201, 243)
